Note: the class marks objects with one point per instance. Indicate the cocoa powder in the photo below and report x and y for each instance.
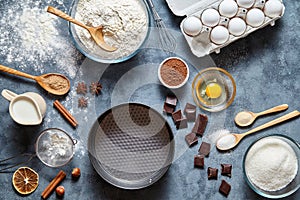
(173, 72)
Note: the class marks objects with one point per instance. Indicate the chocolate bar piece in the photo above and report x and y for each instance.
(171, 100)
(226, 169)
(182, 123)
(190, 112)
(191, 139)
(200, 124)
(204, 149)
(225, 188)
(199, 161)
(177, 115)
(168, 108)
(179, 120)
(212, 173)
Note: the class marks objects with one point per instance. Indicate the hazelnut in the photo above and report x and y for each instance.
(76, 172)
(60, 190)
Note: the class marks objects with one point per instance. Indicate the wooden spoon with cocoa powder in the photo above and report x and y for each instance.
(54, 83)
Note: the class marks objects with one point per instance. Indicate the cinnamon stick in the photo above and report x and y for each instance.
(53, 184)
(65, 113)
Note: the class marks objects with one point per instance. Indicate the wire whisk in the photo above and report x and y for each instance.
(166, 38)
(28, 155)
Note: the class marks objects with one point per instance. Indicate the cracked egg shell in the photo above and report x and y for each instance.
(228, 8)
(255, 17)
(192, 26)
(210, 17)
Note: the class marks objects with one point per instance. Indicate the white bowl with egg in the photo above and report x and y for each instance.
(271, 166)
(125, 27)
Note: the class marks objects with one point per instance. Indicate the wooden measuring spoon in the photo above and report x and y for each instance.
(96, 32)
(246, 118)
(54, 83)
(230, 140)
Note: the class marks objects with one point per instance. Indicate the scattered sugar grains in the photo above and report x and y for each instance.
(30, 37)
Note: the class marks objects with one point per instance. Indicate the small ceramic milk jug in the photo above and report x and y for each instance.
(27, 109)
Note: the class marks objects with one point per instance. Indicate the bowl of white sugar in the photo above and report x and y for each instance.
(271, 166)
(125, 26)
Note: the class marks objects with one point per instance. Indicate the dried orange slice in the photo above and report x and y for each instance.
(25, 180)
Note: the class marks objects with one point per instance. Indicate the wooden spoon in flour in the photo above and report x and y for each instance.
(96, 32)
(54, 83)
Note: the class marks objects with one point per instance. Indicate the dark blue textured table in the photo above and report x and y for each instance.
(264, 65)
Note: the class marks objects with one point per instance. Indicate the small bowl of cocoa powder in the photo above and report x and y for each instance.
(173, 72)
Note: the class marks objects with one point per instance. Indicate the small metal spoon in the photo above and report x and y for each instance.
(96, 32)
(246, 118)
(229, 141)
(42, 80)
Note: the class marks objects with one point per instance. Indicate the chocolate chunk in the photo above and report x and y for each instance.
(191, 139)
(212, 173)
(179, 120)
(204, 149)
(190, 112)
(200, 124)
(182, 123)
(199, 161)
(177, 115)
(225, 188)
(168, 108)
(226, 169)
(171, 100)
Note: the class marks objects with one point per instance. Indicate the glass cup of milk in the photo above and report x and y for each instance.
(27, 109)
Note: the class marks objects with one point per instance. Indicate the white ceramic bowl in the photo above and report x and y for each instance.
(168, 85)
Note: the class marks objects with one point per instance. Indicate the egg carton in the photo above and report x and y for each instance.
(237, 19)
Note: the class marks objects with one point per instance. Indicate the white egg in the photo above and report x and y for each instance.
(237, 26)
(245, 3)
(255, 17)
(219, 35)
(273, 8)
(192, 26)
(210, 17)
(228, 8)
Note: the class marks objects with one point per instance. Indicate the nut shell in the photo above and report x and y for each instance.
(76, 172)
(60, 190)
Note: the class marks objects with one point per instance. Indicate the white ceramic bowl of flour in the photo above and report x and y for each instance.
(125, 24)
(271, 166)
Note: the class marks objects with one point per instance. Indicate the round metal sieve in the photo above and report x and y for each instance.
(131, 146)
(54, 147)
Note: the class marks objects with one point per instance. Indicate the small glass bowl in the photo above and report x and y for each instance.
(97, 56)
(173, 86)
(291, 187)
(54, 147)
(225, 84)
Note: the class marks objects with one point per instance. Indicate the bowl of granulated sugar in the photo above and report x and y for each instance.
(271, 166)
(125, 26)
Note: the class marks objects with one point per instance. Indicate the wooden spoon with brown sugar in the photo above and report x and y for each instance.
(54, 83)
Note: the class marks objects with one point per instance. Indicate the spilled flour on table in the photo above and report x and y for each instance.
(30, 38)
(35, 41)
